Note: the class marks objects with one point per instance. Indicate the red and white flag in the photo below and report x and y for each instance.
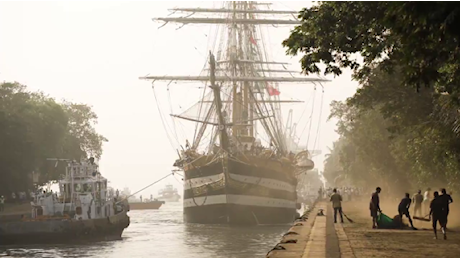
(272, 91)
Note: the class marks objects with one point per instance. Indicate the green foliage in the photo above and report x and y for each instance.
(394, 138)
(422, 38)
(332, 166)
(81, 127)
(390, 134)
(34, 127)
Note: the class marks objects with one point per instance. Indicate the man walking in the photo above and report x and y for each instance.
(438, 214)
(337, 205)
(418, 199)
(374, 206)
(446, 200)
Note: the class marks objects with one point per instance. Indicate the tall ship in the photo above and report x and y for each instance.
(168, 194)
(83, 211)
(246, 173)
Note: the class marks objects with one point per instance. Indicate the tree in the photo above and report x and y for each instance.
(332, 165)
(422, 38)
(391, 136)
(81, 127)
(34, 127)
(422, 139)
(392, 48)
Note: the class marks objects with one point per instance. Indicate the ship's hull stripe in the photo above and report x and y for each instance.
(239, 200)
(264, 182)
(241, 189)
(237, 167)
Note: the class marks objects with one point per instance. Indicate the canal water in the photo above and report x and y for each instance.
(162, 233)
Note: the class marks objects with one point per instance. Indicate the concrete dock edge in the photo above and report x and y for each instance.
(294, 242)
(315, 235)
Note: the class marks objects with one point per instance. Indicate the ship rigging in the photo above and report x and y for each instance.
(235, 179)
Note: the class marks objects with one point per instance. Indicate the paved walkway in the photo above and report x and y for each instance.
(327, 239)
(317, 237)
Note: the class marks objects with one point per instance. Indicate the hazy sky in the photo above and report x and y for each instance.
(94, 51)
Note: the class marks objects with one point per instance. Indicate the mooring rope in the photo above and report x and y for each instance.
(146, 187)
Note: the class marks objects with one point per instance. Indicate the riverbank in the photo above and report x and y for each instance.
(320, 237)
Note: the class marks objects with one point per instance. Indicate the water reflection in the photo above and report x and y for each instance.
(225, 241)
(162, 233)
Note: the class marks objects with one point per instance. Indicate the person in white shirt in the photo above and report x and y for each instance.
(427, 200)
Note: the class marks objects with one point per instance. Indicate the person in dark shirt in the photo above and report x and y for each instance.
(438, 214)
(418, 199)
(446, 199)
(403, 209)
(336, 200)
(374, 206)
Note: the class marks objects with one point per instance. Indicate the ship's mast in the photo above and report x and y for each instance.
(218, 103)
(244, 69)
(224, 10)
(233, 66)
